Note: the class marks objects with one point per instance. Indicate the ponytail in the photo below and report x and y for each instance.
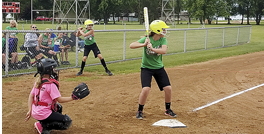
(38, 81)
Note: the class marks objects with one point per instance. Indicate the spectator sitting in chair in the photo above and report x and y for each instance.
(43, 41)
(63, 48)
(31, 44)
(67, 40)
(14, 55)
(80, 41)
(13, 40)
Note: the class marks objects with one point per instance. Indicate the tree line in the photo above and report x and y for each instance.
(197, 9)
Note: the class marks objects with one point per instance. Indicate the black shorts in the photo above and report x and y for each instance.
(54, 116)
(45, 51)
(160, 76)
(93, 47)
(32, 52)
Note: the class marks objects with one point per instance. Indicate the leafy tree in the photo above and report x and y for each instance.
(221, 11)
(258, 6)
(242, 8)
(231, 8)
(178, 8)
(201, 9)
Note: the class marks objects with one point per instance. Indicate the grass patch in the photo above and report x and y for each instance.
(111, 46)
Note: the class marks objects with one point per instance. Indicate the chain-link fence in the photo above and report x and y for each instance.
(18, 58)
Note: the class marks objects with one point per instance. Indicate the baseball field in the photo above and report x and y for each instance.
(197, 78)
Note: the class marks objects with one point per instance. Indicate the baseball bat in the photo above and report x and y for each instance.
(146, 19)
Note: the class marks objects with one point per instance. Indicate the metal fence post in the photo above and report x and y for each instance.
(237, 35)
(223, 37)
(76, 51)
(205, 47)
(185, 41)
(124, 46)
(7, 53)
(249, 34)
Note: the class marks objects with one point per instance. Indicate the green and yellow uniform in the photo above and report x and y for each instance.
(152, 60)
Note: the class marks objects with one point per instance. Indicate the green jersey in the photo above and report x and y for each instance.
(11, 28)
(3, 42)
(89, 40)
(152, 60)
(44, 40)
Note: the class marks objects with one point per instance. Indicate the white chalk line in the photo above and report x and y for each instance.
(230, 96)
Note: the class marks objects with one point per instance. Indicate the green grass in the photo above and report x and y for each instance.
(111, 46)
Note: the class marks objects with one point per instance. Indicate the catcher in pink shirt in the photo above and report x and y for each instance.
(51, 93)
(44, 97)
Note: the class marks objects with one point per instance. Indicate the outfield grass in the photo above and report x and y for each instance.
(115, 40)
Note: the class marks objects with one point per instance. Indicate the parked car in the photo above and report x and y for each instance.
(40, 18)
(46, 18)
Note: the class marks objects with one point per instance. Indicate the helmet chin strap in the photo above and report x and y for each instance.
(88, 26)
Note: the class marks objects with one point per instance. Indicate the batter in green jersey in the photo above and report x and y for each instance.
(151, 59)
(154, 46)
(90, 44)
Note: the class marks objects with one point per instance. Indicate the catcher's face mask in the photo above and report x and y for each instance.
(55, 74)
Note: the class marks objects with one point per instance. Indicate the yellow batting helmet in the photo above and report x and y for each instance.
(88, 22)
(157, 26)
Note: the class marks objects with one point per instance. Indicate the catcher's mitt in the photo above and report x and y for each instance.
(80, 91)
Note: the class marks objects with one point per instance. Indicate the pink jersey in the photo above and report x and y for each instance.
(47, 94)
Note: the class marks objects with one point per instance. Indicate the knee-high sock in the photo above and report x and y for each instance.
(167, 105)
(140, 107)
(104, 64)
(55, 57)
(82, 66)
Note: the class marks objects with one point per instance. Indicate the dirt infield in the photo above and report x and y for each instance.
(111, 107)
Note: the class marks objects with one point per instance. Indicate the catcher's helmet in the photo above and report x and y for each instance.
(88, 22)
(157, 26)
(46, 66)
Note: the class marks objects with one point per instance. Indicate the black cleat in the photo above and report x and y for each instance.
(139, 115)
(108, 72)
(79, 73)
(170, 113)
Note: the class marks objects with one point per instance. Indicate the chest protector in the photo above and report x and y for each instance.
(54, 102)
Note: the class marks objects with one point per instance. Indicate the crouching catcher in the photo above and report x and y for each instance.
(44, 99)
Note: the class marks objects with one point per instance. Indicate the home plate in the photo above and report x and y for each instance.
(173, 123)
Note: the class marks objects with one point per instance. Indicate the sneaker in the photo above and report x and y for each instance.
(139, 115)
(79, 73)
(170, 113)
(67, 63)
(108, 72)
(62, 62)
(38, 127)
(58, 63)
(81, 49)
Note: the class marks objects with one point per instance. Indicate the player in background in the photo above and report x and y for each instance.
(154, 47)
(90, 44)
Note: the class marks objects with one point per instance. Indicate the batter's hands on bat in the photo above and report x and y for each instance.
(147, 41)
(80, 28)
(150, 46)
